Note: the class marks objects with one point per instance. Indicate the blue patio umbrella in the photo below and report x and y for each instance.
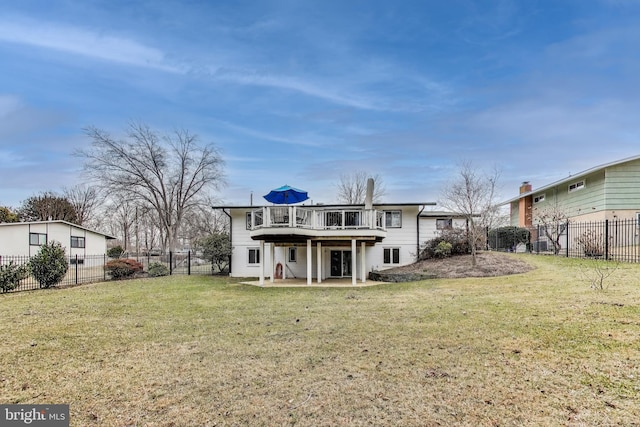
(286, 195)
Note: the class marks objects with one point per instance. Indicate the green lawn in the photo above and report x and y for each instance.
(540, 348)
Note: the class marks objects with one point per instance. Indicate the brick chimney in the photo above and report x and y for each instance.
(525, 187)
(525, 206)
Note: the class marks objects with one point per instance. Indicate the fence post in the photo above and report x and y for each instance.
(538, 239)
(76, 269)
(104, 269)
(487, 238)
(189, 263)
(567, 228)
(170, 262)
(606, 239)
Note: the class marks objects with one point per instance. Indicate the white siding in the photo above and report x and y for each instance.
(14, 238)
(405, 238)
(241, 242)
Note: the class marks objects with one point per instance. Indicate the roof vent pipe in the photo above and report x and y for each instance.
(368, 201)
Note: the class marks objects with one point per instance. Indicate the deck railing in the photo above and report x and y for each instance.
(317, 219)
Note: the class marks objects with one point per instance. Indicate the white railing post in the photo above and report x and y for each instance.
(293, 221)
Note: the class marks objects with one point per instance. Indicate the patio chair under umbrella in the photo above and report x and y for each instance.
(286, 195)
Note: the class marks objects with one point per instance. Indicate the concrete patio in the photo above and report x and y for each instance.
(302, 283)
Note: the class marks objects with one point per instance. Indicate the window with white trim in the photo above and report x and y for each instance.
(253, 256)
(77, 242)
(391, 256)
(539, 198)
(576, 186)
(37, 239)
(393, 219)
(292, 254)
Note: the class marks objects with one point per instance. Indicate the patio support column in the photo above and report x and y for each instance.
(319, 261)
(309, 262)
(284, 262)
(261, 263)
(363, 261)
(272, 255)
(354, 263)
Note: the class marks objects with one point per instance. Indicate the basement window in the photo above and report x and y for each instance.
(391, 256)
(254, 256)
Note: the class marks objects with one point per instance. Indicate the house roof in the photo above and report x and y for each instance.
(361, 205)
(9, 224)
(572, 178)
(441, 214)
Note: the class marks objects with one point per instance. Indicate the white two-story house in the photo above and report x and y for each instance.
(319, 242)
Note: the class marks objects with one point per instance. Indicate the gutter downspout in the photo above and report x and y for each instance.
(418, 233)
(230, 238)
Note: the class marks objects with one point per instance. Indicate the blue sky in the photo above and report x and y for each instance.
(300, 92)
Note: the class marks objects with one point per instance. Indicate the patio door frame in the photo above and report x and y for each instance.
(340, 262)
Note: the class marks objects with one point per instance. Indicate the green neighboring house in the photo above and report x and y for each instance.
(610, 191)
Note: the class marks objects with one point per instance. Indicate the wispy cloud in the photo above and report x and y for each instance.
(81, 41)
(358, 89)
(361, 89)
(305, 140)
(300, 85)
(13, 160)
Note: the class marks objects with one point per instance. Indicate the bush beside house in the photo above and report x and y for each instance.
(123, 268)
(49, 265)
(448, 243)
(11, 275)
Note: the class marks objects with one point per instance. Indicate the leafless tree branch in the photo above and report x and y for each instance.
(169, 173)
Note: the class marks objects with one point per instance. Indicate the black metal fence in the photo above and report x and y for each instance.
(91, 268)
(180, 263)
(617, 240)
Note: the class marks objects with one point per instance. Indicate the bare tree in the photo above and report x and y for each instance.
(85, 201)
(170, 173)
(202, 221)
(597, 271)
(553, 222)
(352, 188)
(472, 194)
(120, 215)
